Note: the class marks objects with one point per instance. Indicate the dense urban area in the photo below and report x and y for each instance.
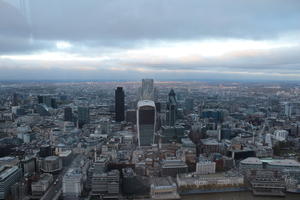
(148, 139)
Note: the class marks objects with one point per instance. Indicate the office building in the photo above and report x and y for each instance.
(146, 122)
(147, 91)
(83, 116)
(39, 187)
(72, 184)
(68, 115)
(8, 177)
(205, 166)
(106, 183)
(189, 104)
(51, 164)
(172, 167)
(171, 134)
(172, 108)
(119, 104)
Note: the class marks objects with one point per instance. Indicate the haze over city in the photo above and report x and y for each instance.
(161, 39)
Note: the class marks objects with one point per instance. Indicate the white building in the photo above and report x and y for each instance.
(280, 135)
(72, 184)
(250, 163)
(163, 188)
(40, 187)
(205, 167)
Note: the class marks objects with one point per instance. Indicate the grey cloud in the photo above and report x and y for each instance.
(163, 19)
(282, 60)
(126, 23)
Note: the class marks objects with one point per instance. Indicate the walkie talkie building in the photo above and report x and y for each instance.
(146, 121)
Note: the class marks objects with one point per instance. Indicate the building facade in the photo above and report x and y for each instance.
(119, 104)
(146, 122)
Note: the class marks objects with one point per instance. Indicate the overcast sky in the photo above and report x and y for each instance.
(161, 39)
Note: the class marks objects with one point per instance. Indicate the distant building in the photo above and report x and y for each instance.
(147, 91)
(217, 115)
(45, 150)
(131, 116)
(280, 135)
(172, 108)
(119, 104)
(83, 116)
(210, 146)
(172, 134)
(288, 109)
(146, 121)
(193, 183)
(68, 114)
(189, 104)
(14, 101)
(282, 164)
(42, 110)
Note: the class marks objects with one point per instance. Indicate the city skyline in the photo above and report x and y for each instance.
(164, 40)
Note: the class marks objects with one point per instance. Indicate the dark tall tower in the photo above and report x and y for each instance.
(119, 104)
(68, 115)
(172, 108)
(15, 99)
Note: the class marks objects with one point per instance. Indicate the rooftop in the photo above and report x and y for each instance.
(252, 161)
(146, 103)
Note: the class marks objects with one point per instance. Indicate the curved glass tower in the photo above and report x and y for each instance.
(146, 115)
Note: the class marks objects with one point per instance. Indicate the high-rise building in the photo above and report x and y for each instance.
(189, 104)
(146, 121)
(83, 116)
(119, 104)
(14, 99)
(68, 115)
(147, 91)
(172, 108)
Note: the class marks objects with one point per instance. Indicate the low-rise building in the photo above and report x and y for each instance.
(163, 188)
(172, 167)
(106, 183)
(8, 177)
(72, 183)
(205, 167)
(250, 163)
(39, 187)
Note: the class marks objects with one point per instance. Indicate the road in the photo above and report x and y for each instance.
(55, 189)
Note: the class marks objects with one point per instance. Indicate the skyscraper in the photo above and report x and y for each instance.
(147, 90)
(119, 104)
(83, 116)
(146, 121)
(68, 115)
(15, 99)
(172, 108)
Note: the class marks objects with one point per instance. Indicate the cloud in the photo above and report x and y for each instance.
(161, 38)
